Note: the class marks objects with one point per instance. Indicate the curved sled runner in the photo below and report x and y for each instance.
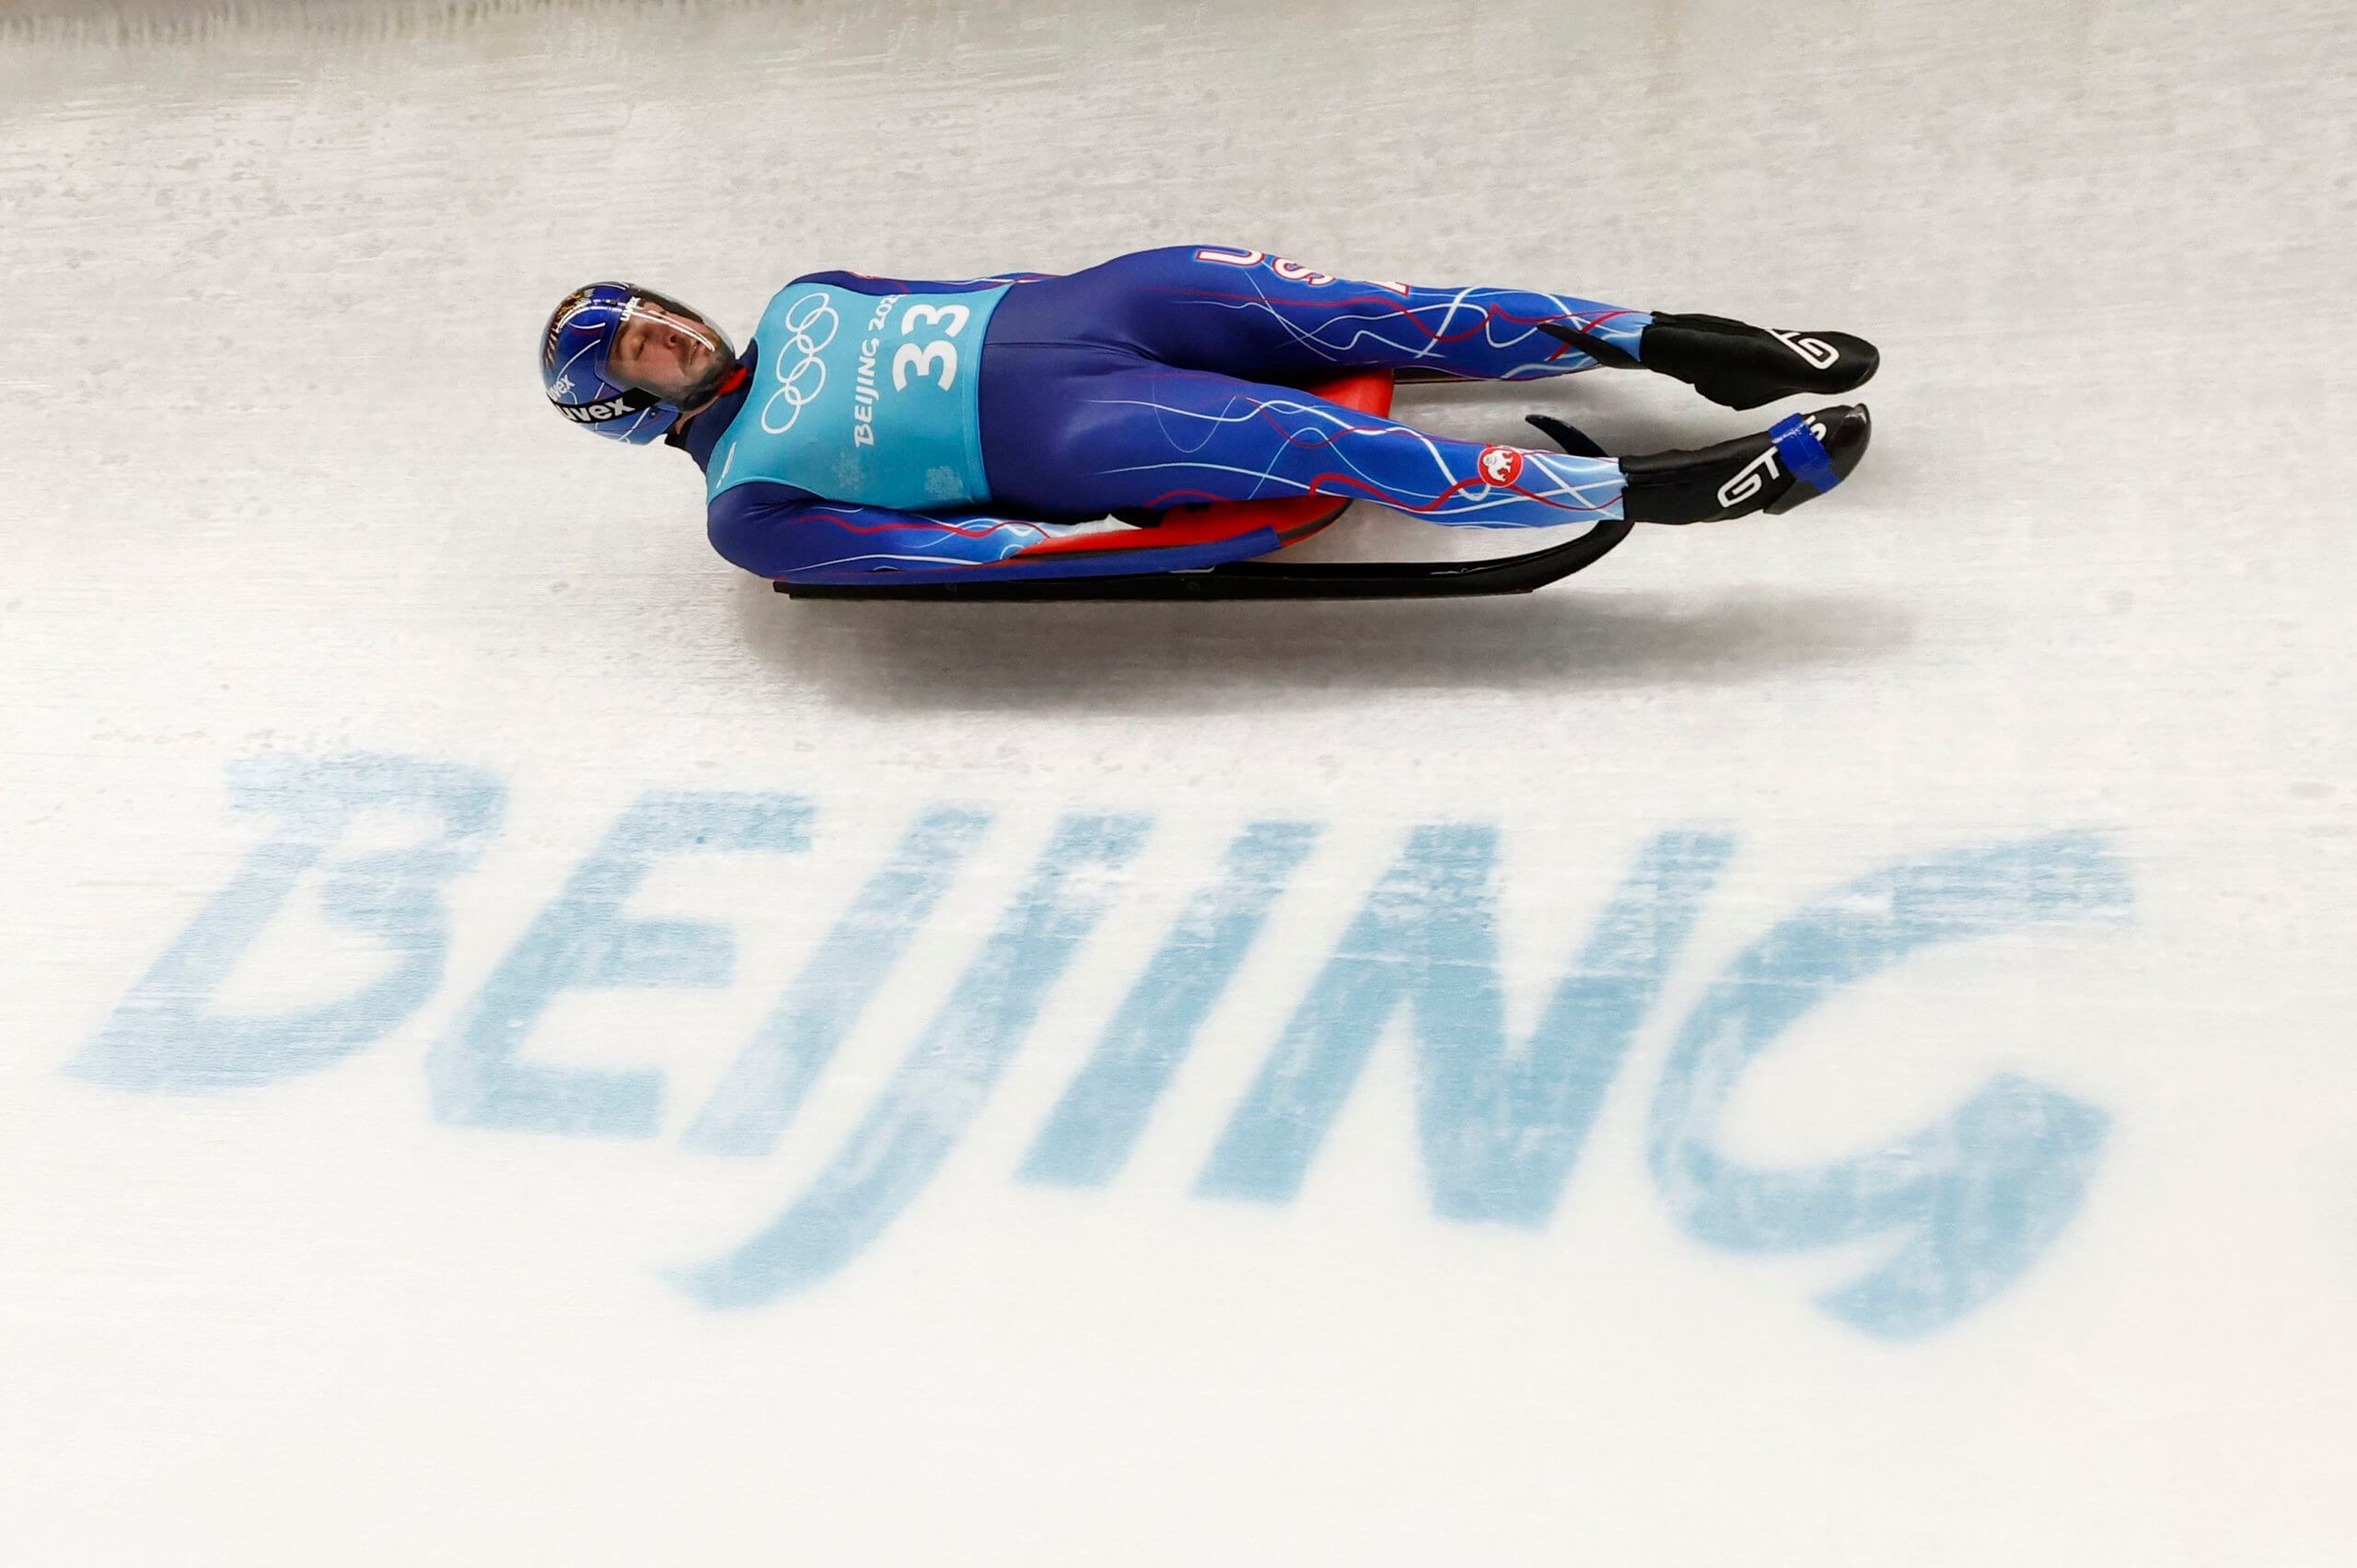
(1292, 519)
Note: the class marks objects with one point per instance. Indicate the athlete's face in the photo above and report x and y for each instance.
(665, 352)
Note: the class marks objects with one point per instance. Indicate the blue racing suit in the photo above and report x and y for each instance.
(885, 426)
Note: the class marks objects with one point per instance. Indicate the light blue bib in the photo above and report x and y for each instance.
(873, 399)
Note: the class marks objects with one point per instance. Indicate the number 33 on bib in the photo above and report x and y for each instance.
(902, 387)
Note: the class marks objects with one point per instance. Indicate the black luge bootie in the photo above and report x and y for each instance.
(1733, 363)
(1799, 459)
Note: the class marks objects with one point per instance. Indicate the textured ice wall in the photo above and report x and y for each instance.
(1822, 1042)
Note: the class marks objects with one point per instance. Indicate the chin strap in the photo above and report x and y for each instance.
(677, 436)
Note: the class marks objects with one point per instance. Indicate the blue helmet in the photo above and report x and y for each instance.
(625, 362)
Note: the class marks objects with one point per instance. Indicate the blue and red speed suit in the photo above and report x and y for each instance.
(864, 437)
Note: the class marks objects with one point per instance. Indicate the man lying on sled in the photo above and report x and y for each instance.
(883, 430)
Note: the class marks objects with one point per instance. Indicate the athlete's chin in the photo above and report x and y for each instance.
(706, 384)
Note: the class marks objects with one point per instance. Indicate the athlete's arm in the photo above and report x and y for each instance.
(870, 284)
(810, 541)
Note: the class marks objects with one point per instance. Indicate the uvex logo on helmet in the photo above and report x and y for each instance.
(600, 411)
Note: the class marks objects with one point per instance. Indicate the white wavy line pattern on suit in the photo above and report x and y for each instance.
(842, 562)
(1591, 489)
(1344, 424)
(938, 537)
(1343, 421)
(1584, 501)
(1583, 314)
(1014, 543)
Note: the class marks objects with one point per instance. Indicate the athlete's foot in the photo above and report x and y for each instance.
(1775, 471)
(1734, 363)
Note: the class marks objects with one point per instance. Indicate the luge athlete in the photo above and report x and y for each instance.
(882, 426)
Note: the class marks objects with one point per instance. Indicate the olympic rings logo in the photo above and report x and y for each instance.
(800, 386)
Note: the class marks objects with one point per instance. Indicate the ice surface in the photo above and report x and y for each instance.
(1823, 1041)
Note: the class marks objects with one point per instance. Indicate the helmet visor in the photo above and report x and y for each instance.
(668, 351)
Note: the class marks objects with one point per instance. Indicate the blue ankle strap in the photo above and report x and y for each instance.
(1804, 453)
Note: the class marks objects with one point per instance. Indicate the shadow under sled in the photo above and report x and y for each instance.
(1292, 519)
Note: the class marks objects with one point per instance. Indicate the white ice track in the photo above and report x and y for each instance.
(1923, 922)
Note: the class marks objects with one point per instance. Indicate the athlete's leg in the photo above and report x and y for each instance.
(1071, 431)
(1249, 313)
(1245, 312)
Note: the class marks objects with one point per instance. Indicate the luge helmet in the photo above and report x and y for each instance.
(625, 361)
